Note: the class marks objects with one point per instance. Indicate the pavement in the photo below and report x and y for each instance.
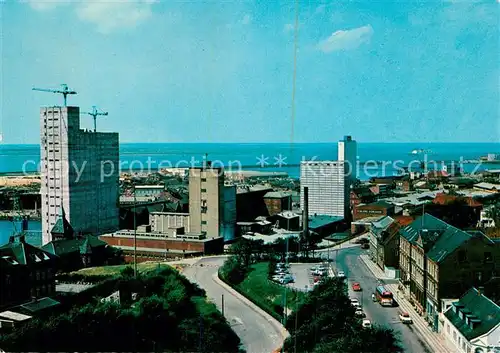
(259, 332)
(433, 339)
(349, 261)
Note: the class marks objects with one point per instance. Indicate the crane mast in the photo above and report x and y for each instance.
(94, 114)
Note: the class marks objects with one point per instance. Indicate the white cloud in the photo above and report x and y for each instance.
(346, 39)
(105, 15)
(247, 19)
(109, 15)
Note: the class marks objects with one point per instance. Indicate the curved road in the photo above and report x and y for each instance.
(258, 334)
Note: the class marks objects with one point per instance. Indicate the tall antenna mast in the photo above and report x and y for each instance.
(64, 91)
(94, 114)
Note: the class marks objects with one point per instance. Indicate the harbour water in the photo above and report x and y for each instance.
(255, 156)
(7, 230)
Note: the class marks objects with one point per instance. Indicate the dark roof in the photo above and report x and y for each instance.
(322, 220)
(381, 203)
(477, 307)
(67, 246)
(39, 305)
(62, 226)
(21, 253)
(438, 238)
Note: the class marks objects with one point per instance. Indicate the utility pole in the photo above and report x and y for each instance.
(285, 290)
(222, 301)
(135, 237)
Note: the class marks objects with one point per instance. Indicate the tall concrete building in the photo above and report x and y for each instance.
(348, 151)
(79, 174)
(212, 205)
(328, 188)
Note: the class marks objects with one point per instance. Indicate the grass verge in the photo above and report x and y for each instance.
(266, 294)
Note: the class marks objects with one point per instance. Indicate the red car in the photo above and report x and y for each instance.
(356, 287)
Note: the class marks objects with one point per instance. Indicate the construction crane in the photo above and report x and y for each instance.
(94, 114)
(64, 91)
(19, 221)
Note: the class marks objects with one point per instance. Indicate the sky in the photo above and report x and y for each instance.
(222, 71)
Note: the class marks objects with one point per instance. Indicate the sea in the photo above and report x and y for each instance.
(374, 159)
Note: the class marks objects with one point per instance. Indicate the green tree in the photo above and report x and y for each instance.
(233, 270)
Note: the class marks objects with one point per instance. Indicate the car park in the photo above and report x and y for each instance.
(356, 287)
(366, 323)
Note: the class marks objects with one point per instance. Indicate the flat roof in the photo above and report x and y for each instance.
(14, 316)
(149, 186)
(161, 251)
(322, 220)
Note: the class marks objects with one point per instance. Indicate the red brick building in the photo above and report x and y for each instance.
(379, 208)
(156, 246)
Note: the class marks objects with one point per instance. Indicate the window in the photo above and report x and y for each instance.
(203, 222)
(203, 180)
(203, 190)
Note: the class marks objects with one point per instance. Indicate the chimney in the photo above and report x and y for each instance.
(305, 215)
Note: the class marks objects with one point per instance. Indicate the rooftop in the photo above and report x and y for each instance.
(14, 316)
(475, 307)
(150, 187)
(318, 221)
(277, 194)
(39, 304)
(21, 253)
(67, 246)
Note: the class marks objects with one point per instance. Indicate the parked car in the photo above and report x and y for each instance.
(355, 302)
(286, 280)
(366, 323)
(341, 274)
(356, 287)
(359, 313)
(405, 318)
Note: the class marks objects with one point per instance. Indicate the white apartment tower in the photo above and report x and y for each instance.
(328, 188)
(79, 174)
(329, 182)
(348, 151)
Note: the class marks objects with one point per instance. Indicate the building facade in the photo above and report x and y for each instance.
(277, 202)
(472, 324)
(439, 261)
(79, 173)
(348, 153)
(329, 191)
(26, 272)
(379, 208)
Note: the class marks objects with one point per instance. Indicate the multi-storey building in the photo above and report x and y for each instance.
(212, 205)
(328, 188)
(439, 261)
(277, 202)
(79, 174)
(347, 152)
(26, 272)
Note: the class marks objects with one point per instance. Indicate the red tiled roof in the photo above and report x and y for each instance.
(403, 220)
(443, 199)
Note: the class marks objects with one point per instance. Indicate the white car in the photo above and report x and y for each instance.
(405, 318)
(355, 302)
(341, 274)
(366, 323)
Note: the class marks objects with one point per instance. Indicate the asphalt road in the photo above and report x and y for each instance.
(347, 260)
(256, 333)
